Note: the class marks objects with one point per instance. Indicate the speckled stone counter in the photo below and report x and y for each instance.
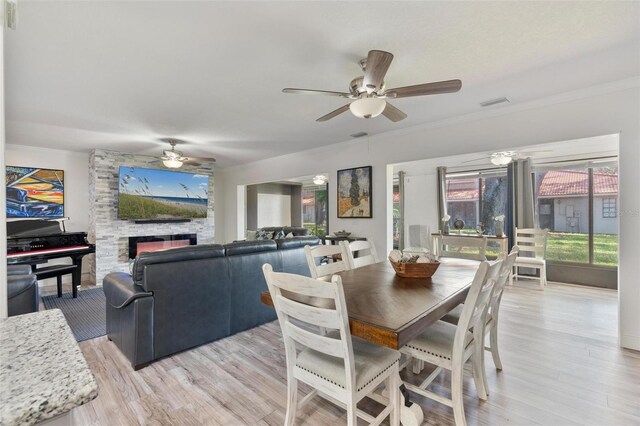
(43, 373)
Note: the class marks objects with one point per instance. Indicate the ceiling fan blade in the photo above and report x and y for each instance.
(201, 159)
(483, 159)
(334, 113)
(192, 163)
(449, 86)
(393, 113)
(315, 92)
(378, 62)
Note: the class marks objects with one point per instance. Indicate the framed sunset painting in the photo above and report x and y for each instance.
(354, 193)
(34, 192)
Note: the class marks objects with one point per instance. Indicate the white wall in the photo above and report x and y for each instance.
(607, 109)
(274, 210)
(76, 186)
(420, 202)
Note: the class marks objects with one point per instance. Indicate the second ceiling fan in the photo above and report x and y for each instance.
(370, 95)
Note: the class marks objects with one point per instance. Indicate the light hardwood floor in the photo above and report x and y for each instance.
(562, 366)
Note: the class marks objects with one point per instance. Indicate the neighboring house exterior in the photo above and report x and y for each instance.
(462, 201)
(563, 201)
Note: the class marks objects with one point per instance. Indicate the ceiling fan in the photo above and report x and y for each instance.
(370, 95)
(174, 159)
(502, 158)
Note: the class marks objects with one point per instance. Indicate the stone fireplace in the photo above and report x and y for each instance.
(110, 234)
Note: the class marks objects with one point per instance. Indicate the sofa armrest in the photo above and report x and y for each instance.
(23, 294)
(120, 290)
(18, 270)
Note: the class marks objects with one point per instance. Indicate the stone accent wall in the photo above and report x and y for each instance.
(110, 235)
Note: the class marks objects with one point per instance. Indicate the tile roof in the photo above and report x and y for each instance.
(554, 183)
(558, 183)
(462, 189)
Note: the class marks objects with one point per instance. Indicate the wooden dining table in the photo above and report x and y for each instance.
(388, 310)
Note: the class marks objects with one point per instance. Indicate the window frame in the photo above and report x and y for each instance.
(609, 211)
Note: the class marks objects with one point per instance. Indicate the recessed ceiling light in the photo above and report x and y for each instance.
(359, 134)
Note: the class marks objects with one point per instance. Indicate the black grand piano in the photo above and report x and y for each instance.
(35, 242)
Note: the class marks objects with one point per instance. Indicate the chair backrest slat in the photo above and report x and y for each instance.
(328, 310)
(310, 288)
(532, 241)
(501, 280)
(475, 305)
(363, 259)
(473, 248)
(317, 254)
(322, 317)
(323, 344)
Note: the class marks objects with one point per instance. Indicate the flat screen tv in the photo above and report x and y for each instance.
(161, 194)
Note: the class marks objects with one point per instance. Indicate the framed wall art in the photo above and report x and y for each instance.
(34, 192)
(354, 193)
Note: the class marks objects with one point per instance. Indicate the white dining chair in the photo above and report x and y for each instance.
(341, 368)
(533, 246)
(323, 259)
(449, 347)
(473, 248)
(491, 318)
(361, 253)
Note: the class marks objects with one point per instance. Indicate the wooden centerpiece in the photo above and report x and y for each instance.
(415, 270)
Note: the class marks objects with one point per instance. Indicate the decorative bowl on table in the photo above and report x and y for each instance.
(415, 270)
(342, 233)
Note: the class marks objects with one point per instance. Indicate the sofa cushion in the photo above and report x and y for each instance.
(296, 242)
(244, 247)
(296, 231)
(261, 234)
(177, 254)
(278, 235)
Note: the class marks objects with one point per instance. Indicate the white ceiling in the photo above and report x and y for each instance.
(121, 75)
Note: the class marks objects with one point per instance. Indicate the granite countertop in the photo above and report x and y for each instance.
(42, 371)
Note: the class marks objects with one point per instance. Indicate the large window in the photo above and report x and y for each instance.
(477, 199)
(314, 209)
(578, 204)
(396, 214)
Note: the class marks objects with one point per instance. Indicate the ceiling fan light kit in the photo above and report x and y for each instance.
(172, 163)
(369, 91)
(501, 158)
(319, 179)
(367, 107)
(173, 159)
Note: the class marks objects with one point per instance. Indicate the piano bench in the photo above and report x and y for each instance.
(55, 271)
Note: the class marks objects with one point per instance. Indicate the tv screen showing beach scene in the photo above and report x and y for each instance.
(161, 194)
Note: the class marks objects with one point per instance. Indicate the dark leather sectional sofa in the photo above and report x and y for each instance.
(180, 298)
(22, 290)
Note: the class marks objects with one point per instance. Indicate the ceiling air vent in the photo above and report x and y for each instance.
(359, 134)
(494, 102)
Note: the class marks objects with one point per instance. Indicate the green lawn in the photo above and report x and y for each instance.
(568, 247)
(137, 207)
(574, 248)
